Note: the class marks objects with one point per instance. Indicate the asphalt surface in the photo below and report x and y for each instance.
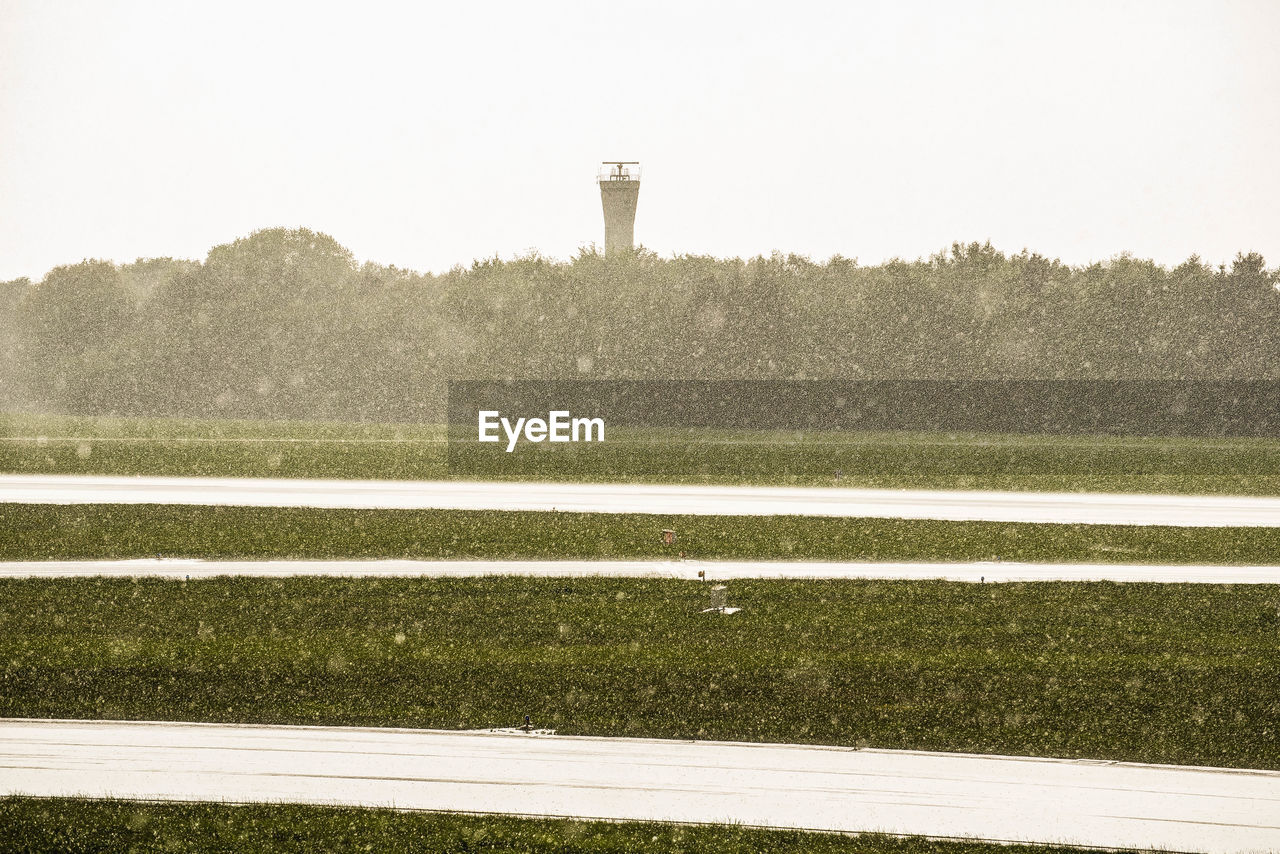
(1104, 804)
(670, 500)
(991, 573)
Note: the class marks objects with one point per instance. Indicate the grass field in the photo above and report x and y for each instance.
(1186, 674)
(118, 531)
(107, 827)
(50, 444)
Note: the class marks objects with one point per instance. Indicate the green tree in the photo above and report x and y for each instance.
(66, 325)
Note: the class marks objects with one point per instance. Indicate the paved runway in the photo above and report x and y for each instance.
(819, 788)
(666, 500)
(180, 568)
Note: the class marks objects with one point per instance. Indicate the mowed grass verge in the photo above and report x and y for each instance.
(104, 531)
(105, 827)
(1185, 674)
(33, 444)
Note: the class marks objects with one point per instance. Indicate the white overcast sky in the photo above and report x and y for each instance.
(427, 135)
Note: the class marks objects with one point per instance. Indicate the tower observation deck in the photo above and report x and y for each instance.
(619, 182)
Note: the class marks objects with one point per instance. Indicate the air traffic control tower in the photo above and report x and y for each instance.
(619, 182)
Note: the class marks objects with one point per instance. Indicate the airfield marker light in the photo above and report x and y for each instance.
(720, 602)
(719, 597)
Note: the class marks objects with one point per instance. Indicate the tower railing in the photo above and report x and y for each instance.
(617, 171)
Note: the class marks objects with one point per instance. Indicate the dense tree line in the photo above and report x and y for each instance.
(285, 324)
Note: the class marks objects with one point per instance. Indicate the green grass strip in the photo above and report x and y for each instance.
(33, 444)
(106, 827)
(45, 532)
(1184, 674)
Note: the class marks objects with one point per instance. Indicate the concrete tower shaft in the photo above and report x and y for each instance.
(619, 182)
